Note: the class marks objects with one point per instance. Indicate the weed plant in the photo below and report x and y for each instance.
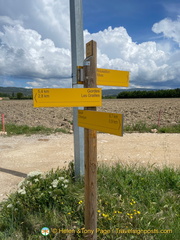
(129, 199)
(143, 127)
(13, 129)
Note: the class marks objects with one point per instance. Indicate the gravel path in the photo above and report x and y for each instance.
(20, 155)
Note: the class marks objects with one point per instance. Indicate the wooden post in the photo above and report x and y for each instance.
(90, 138)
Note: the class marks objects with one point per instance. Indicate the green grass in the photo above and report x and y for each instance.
(129, 198)
(143, 127)
(13, 129)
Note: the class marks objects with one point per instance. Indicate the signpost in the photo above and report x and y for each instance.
(101, 121)
(90, 97)
(90, 147)
(67, 97)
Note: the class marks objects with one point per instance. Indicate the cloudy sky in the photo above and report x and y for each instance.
(139, 36)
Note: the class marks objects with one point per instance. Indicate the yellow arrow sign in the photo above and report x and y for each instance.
(108, 77)
(101, 121)
(67, 97)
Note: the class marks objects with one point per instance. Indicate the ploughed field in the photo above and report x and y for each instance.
(165, 111)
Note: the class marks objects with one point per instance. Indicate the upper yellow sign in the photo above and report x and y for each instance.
(101, 121)
(67, 97)
(108, 77)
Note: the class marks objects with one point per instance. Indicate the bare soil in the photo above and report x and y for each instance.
(20, 155)
(165, 111)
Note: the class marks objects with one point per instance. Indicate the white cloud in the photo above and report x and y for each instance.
(35, 44)
(50, 83)
(9, 21)
(146, 62)
(169, 28)
(24, 53)
(50, 18)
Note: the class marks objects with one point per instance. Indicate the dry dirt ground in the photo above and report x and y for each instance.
(166, 110)
(20, 155)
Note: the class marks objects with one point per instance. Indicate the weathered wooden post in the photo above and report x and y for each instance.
(90, 138)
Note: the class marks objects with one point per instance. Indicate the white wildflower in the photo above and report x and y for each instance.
(36, 180)
(35, 173)
(55, 183)
(61, 178)
(22, 191)
(9, 206)
(66, 181)
(20, 184)
(65, 186)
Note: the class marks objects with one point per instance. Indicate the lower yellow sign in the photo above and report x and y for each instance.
(108, 77)
(101, 121)
(67, 97)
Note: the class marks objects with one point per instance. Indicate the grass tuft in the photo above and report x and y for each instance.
(142, 127)
(13, 129)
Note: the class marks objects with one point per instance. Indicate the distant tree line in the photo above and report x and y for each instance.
(169, 93)
(18, 95)
(4, 95)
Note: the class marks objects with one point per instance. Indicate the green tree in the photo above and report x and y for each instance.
(20, 95)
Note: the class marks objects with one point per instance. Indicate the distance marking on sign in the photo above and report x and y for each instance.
(101, 121)
(67, 97)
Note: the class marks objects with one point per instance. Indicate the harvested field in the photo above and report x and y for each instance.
(20, 155)
(165, 111)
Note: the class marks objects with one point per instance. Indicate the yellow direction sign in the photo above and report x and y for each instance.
(101, 121)
(67, 97)
(108, 77)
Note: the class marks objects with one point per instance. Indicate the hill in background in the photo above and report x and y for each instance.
(12, 91)
(28, 92)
